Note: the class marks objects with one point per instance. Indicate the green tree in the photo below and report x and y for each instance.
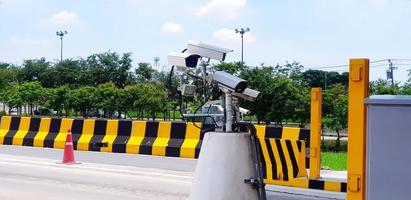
(301, 105)
(314, 78)
(13, 97)
(82, 100)
(107, 98)
(122, 76)
(283, 96)
(405, 90)
(133, 95)
(108, 67)
(36, 70)
(68, 72)
(284, 93)
(144, 73)
(381, 86)
(290, 70)
(319, 78)
(8, 76)
(32, 94)
(336, 115)
(234, 68)
(156, 96)
(261, 79)
(57, 99)
(4, 65)
(149, 97)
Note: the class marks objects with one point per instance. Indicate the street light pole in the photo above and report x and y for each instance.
(61, 35)
(241, 32)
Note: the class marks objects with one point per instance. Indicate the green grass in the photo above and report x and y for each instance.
(334, 161)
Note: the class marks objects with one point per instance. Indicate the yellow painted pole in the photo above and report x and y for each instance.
(357, 92)
(315, 133)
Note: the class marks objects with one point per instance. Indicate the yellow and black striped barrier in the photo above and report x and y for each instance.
(283, 149)
(283, 159)
(174, 139)
(316, 184)
(286, 133)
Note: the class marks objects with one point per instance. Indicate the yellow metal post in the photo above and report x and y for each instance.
(315, 133)
(357, 92)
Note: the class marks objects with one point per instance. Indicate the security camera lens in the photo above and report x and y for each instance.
(192, 61)
(241, 86)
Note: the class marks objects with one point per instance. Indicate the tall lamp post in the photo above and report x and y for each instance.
(61, 35)
(241, 32)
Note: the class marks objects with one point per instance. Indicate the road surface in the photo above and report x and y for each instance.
(33, 173)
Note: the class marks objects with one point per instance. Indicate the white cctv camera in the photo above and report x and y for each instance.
(183, 60)
(207, 51)
(248, 94)
(244, 111)
(230, 82)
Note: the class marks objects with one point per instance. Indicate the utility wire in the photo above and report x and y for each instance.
(328, 67)
(373, 61)
(400, 60)
(379, 65)
(382, 60)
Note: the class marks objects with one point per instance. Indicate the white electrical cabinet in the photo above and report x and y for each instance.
(388, 174)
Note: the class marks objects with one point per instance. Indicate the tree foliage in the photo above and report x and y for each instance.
(335, 105)
(108, 85)
(283, 97)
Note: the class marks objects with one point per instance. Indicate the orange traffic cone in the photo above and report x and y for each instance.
(68, 158)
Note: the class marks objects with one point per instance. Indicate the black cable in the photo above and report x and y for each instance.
(204, 119)
(215, 123)
(181, 106)
(170, 77)
(194, 76)
(205, 130)
(193, 118)
(256, 156)
(181, 99)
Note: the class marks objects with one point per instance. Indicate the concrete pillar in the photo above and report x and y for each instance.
(225, 162)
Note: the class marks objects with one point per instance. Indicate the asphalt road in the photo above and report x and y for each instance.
(33, 173)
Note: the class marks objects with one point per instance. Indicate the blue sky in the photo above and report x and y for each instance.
(315, 33)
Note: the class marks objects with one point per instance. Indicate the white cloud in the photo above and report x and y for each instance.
(64, 18)
(172, 28)
(19, 41)
(222, 9)
(229, 35)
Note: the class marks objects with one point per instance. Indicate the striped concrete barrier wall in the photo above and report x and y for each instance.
(283, 149)
(283, 159)
(271, 138)
(327, 185)
(286, 133)
(174, 139)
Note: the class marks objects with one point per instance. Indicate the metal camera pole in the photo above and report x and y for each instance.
(61, 35)
(228, 111)
(204, 65)
(242, 31)
(214, 179)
